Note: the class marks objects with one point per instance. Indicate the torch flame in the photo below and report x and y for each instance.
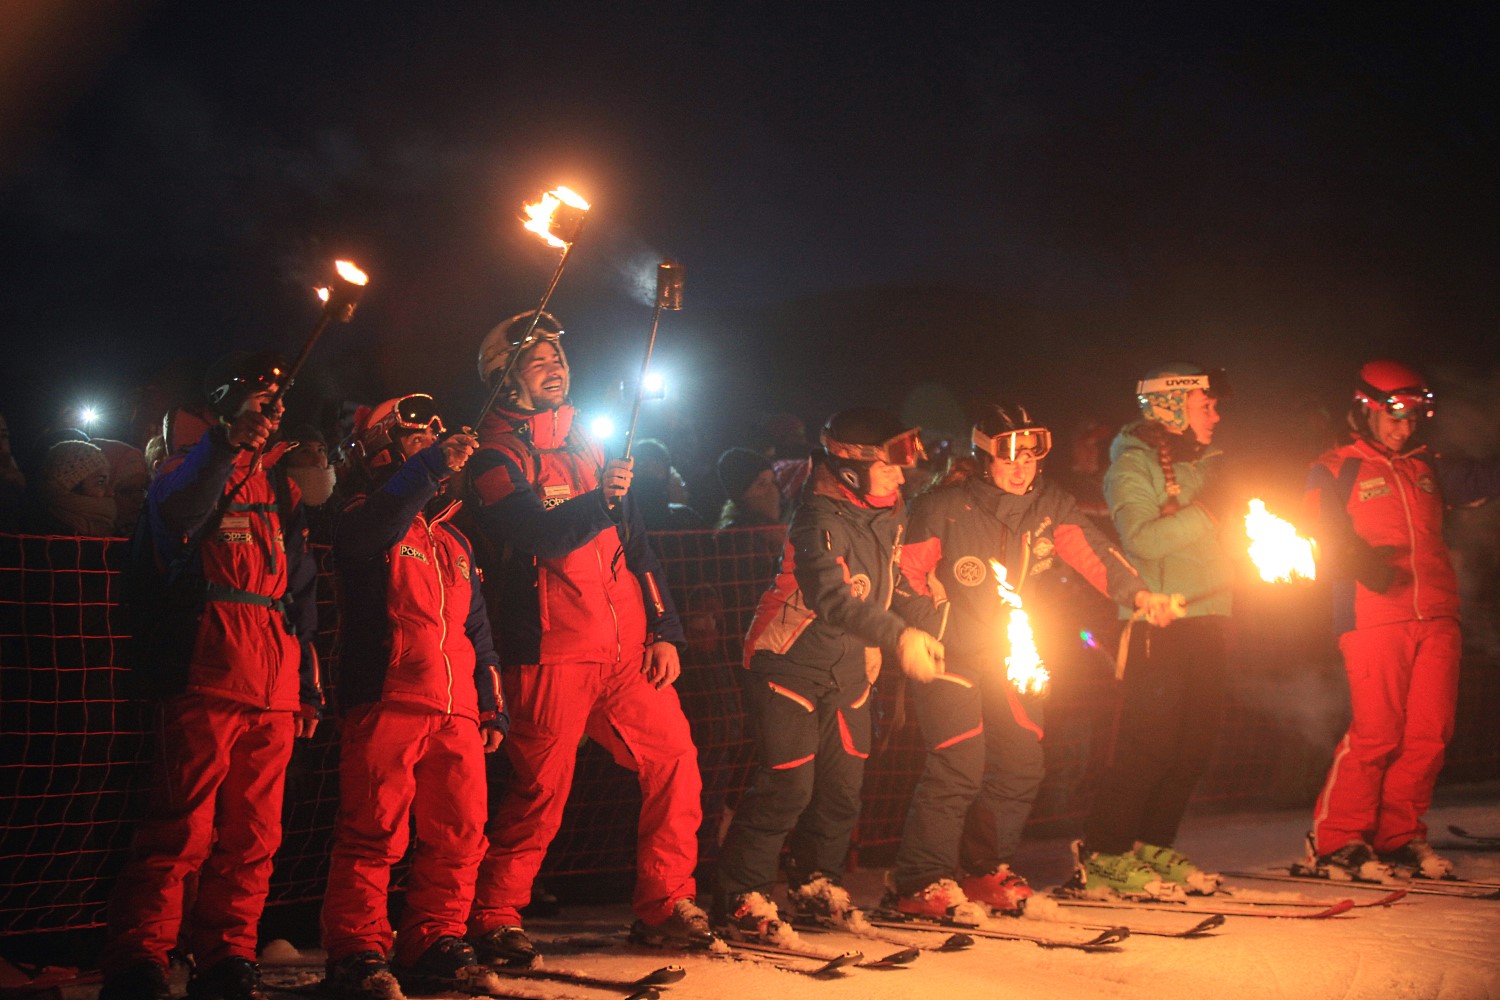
(1277, 551)
(350, 273)
(540, 215)
(322, 291)
(1023, 667)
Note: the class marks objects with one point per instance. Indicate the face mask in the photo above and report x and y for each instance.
(315, 483)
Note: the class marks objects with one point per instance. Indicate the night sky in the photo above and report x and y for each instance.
(906, 208)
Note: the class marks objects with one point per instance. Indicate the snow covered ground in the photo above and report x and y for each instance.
(1423, 948)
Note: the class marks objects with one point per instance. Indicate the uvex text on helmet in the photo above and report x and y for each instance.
(1163, 393)
(236, 377)
(505, 338)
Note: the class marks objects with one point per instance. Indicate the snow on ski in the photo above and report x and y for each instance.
(1105, 940)
(1172, 906)
(1262, 897)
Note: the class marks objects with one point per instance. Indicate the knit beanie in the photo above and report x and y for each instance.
(70, 463)
(738, 468)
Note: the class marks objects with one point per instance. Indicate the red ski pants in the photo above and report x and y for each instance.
(217, 810)
(1403, 687)
(552, 707)
(395, 763)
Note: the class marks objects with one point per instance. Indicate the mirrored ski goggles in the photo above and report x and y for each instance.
(1401, 404)
(1009, 446)
(418, 412)
(905, 449)
(1215, 383)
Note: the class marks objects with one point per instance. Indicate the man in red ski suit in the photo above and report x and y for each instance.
(231, 656)
(418, 688)
(1378, 504)
(589, 641)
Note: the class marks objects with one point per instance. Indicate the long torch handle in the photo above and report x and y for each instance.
(640, 383)
(510, 364)
(307, 345)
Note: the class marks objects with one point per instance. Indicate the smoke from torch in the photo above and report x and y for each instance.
(1023, 667)
(669, 280)
(1278, 552)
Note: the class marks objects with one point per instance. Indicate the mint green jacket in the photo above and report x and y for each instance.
(1177, 553)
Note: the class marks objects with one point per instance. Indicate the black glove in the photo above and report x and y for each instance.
(1373, 567)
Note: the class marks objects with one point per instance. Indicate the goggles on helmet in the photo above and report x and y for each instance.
(1010, 445)
(417, 412)
(905, 449)
(1411, 401)
(1215, 383)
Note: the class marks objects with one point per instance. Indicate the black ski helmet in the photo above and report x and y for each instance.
(857, 438)
(1004, 429)
(239, 375)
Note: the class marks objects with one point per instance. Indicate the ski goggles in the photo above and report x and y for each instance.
(417, 412)
(1011, 445)
(905, 449)
(1215, 383)
(1412, 401)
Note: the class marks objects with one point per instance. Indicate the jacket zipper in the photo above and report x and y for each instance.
(1411, 538)
(613, 614)
(442, 613)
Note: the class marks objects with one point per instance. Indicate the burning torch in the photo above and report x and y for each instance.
(340, 297)
(558, 219)
(669, 278)
(1280, 554)
(1023, 667)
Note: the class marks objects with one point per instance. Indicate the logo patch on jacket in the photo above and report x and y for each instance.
(1426, 483)
(463, 567)
(554, 495)
(1042, 549)
(235, 529)
(1369, 489)
(859, 586)
(970, 571)
(413, 552)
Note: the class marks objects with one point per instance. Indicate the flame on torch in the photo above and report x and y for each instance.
(1278, 552)
(1023, 667)
(558, 217)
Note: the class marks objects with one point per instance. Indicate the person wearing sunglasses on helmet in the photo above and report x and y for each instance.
(1377, 503)
(589, 638)
(419, 695)
(983, 737)
(813, 651)
(1168, 493)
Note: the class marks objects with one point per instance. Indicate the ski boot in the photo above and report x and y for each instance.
(363, 975)
(685, 927)
(754, 919)
(1418, 856)
(231, 979)
(1000, 889)
(449, 963)
(507, 945)
(822, 901)
(1354, 862)
(1096, 874)
(1175, 867)
(942, 900)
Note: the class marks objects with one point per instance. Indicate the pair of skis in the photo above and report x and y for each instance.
(1455, 888)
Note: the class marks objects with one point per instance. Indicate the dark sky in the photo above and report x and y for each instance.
(929, 204)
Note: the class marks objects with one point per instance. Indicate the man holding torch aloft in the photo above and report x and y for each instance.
(1378, 504)
(588, 638)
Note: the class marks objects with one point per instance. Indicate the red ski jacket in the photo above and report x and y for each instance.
(570, 588)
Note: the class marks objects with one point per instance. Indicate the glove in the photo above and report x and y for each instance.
(1373, 568)
(920, 655)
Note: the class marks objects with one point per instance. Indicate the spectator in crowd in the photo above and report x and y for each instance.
(814, 651)
(155, 452)
(419, 691)
(590, 642)
(659, 490)
(129, 477)
(1378, 502)
(1167, 493)
(307, 465)
(229, 653)
(75, 496)
(12, 483)
(750, 486)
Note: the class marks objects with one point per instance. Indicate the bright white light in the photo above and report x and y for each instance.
(88, 414)
(602, 428)
(654, 385)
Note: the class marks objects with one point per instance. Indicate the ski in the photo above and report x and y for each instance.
(664, 976)
(830, 963)
(1479, 839)
(1428, 887)
(1105, 940)
(1171, 906)
(1202, 928)
(950, 942)
(1255, 897)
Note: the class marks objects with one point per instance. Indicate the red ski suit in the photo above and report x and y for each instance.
(418, 675)
(577, 605)
(226, 732)
(1379, 520)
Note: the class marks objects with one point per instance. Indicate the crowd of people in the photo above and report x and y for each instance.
(499, 592)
